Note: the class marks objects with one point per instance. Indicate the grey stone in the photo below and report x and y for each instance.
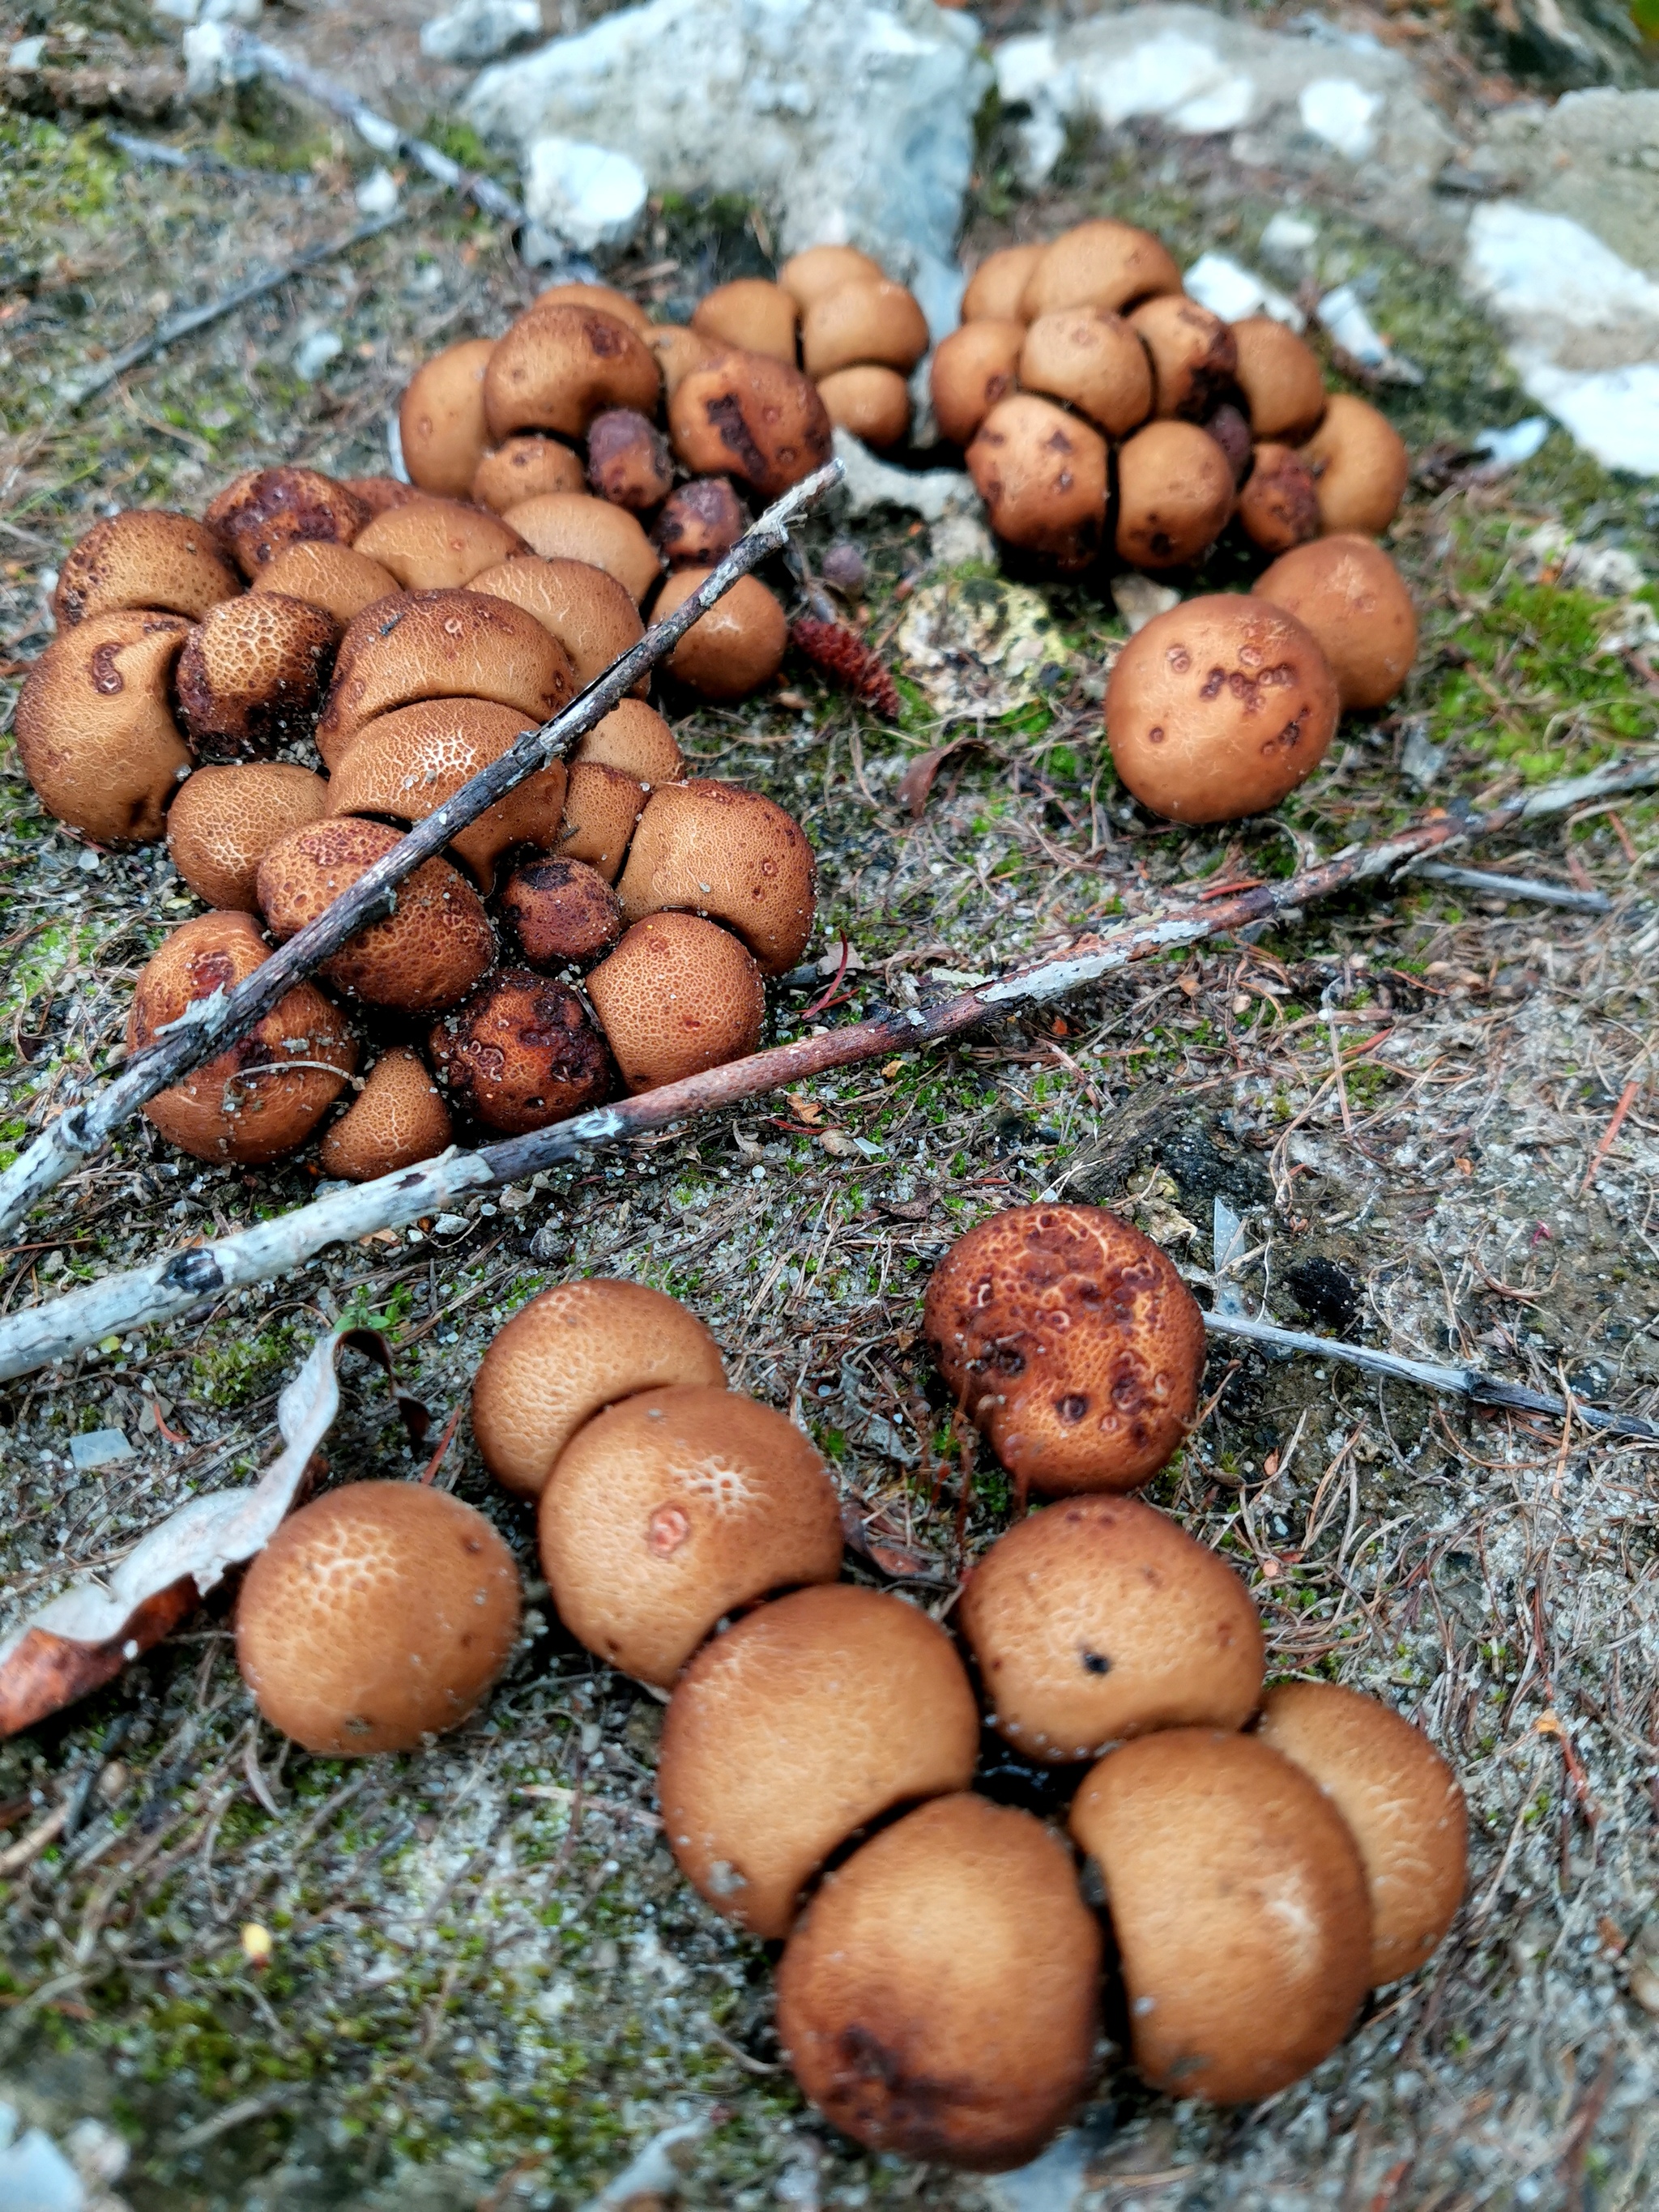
(1593, 156)
(99, 1447)
(478, 30)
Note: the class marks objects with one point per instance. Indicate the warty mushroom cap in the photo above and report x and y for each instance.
(225, 820)
(433, 545)
(265, 509)
(335, 578)
(734, 649)
(143, 558)
(397, 1119)
(559, 366)
(601, 807)
(731, 855)
(252, 673)
(635, 738)
(592, 616)
(561, 912)
(522, 1052)
(95, 725)
(678, 995)
(573, 525)
(524, 467)
(1279, 501)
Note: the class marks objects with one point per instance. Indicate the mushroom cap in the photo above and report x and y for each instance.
(442, 645)
(601, 807)
(635, 738)
(752, 314)
(338, 579)
(143, 558)
(737, 646)
(1072, 1341)
(676, 996)
(628, 462)
(1278, 504)
(1042, 474)
(872, 402)
(566, 1354)
(1349, 595)
(808, 276)
(379, 493)
(604, 297)
(1092, 359)
(521, 1053)
(558, 366)
(1193, 355)
(795, 1727)
(746, 416)
(438, 545)
(940, 1996)
(1280, 378)
(731, 855)
(377, 1615)
(1098, 265)
(1238, 1903)
(252, 673)
(561, 911)
(1401, 1801)
(971, 370)
(1219, 707)
(1175, 495)
(430, 951)
(408, 762)
(1102, 1619)
(1360, 466)
(677, 350)
(95, 724)
(397, 1119)
(524, 467)
(870, 318)
(700, 523)
(262, 1096)
(1228, 427)
(673, 1508)
(440, 418)
(997, 288)
(267, 509)
(225, 820)
(570, 526)
(592, 616)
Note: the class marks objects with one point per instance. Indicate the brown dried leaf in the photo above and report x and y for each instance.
(918, 780)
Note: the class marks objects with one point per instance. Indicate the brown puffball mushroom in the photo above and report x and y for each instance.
(971, 369)
(427, 954)
(520, 1053)
(997, 287)
(377, 1616)
(440, 418)
(1218, 709)
(1042, 474)
(566, 1354)
(737, 646)
(1070, 1340)
(438, 545)
(1360, 467)
(601, 807)
(524, 468)
(378, 493)
(871, 402)
(676, 996)
(1238, 1903)
(143, 558)
(1279, 505)
(1101, 1619)
(795, 1727)
(558, 366)
(225, 820)
(567, 526)
(1174, 494)
(635, 738)
(561, 911)
(628, 460)
(267, 509)
(673, 1508)
(730, 855)
(252, 673)
(95, 724)
(1092, 359)
(753, 314)
(397, 1119)
(1347, 591)
(335, 578)
(940, 1996)
(1403, 1805)
(1280, 378)
(605, 297)
(592, 616)
(1195, 359)
(744, 415)
(1098, 265)
(869, 320)
(700, 523)
(677, 350)
(807, 277)
(262, 1096)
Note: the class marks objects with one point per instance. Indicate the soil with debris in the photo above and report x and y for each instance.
(487, 1986)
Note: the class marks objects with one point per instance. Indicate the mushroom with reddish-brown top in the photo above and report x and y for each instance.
(1228, 427)
(1280, 378)
(143, 558)
(335, 578)
(440, 418)
(752, 314)
(870, 400)
(730, 855)
(1349, 595)
(744, 415)
(628, 462)
(252, 673)
(1278, 505)
(996, 289)
(522, 1052)
(95, 729)
(807, 277)
(592, 616)
(870, 318)
(379, 493)
(1193, 355)
(559, 366)
(604, 297)
(258, 514)
(225, 820)
(635, 738)
(562, 912)
(700, 523)
(1102, 263)
(1175, 495)
(678, 995)
(1093, 360)
(677, 350)
(397, 1119)
(1360, 467)
(572, 525)
(524, 467)
(438, 545)
(601, 807)
(971, 370)
(734, 649)
(1042, 474)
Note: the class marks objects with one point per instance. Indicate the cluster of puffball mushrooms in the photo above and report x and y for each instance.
(1262, 1858)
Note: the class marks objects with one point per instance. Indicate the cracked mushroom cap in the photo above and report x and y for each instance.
(1101, 1619)
(262, 1096)
(996, 290)
(569, 1353)
(1218, 708)
(940, 1996)
(1280, 378)
(561, 912)
(676, 996)
(1092, 359)
(1360, 467)
(1070, 1340)
(559, 366)
(1098, 265)
(792, 1729)
(1349, 595)
(441, 419)
(438, 545)
(338, 579)
(870, 319)
(737, 646)
(744, 415)
(521, 1053)
(1238, 1904)
(971, 370)
(524, 468)
(397, 1119)
(1278, 502)
(628, 462)
(408, 763)
(571, 525)
(225, 820)
(95, 729)
(872, 402)
(700, 523)
(266, 509)
(592, 616)
(145, 558)
(376, 1617)
(809, 275)
(1042, 474)
(635, 738)
(252, 674)
(674, 1508)
(1193, 355)
(753, 314)
(601, 807)
(428, 953)
(379, 493)
(604, 297)
(1401, 1801)
(731, 855)
(1175, 495)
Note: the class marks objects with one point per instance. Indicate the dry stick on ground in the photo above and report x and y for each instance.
(214, 1023)
(170, 1287)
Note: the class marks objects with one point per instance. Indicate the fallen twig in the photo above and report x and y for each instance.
(1492, 886)
(1627, 1098)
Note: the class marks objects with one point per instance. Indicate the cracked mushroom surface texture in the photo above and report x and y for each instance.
(1070, 1340)
(592, 616)
(438, 545)
(731, 855)
(225, 819)
(146, 556)
(522, 1052)
(337, 577)
(258, 514)
(252, 673)
(398, 1118)
(560, 365)
(676, 996)
(744, 415)
(561, 911)
(95, 724)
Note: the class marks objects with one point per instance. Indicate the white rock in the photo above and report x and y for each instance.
(1343, 315)
(1289, 239)
(869, 483)
(478, 30)
(585, 194)
(209, 64)
(36, 2177)
(1507, 449)
(1140, 599)
(1341, 112)
(312, 355)
(27, 54)
(96, 1448)
(957, 538)
(378, 193)
(210, 11)
(1227, 288)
